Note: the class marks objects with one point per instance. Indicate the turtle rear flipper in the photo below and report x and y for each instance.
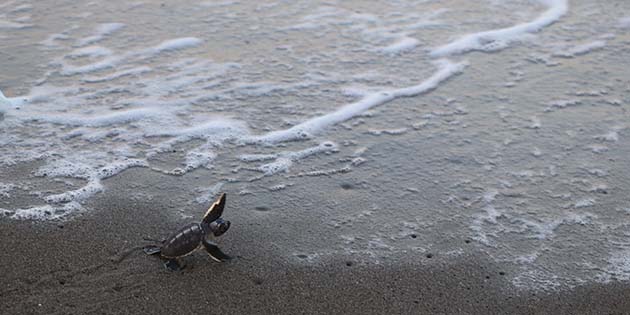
(152, 250)
(214, 251)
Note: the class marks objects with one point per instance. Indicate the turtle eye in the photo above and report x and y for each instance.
(225, 226)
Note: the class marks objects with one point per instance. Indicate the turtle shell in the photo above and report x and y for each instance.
(184, 241)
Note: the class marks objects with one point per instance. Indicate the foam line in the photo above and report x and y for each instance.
(402, 45)
(109, 62)
(105, 120)
(112, 61)
(101, 32)
(45, 212)
(175, 44)
(316, 125)
(90, 51)
(485, 40)
(225, 127)
(581, 49)
(284, 160)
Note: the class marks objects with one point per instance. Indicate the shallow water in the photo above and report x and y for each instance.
(499, 126)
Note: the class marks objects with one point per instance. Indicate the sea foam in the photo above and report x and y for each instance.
(100, 33)
(446, 69)
(401, 45)
(175, 44)
(581, 49)
(500, 38)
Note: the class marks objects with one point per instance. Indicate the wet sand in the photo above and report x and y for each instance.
(93, 265)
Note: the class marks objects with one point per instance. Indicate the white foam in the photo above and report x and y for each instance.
(8, 103)
(67, 168)
(257, 157)
(500, 38)
(101, 120)
(100, 33)
(199, 158)
(402, 45)
(217, 128)
(93, 187)
(580, 49)
(90, 51)
(175, 44)
(284, 160)
(278, 187)
(584, 203)
(304, 26)
(115, 167)
(109, 62)
(44, 212)
(112, 61)
(378, 132)
(446, 70)
(280, 165)
(562, 104)
(546, 230)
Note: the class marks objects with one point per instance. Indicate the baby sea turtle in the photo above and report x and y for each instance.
(192, 237)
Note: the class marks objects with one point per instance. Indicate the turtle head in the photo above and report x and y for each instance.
(219, 226)
(212, 221)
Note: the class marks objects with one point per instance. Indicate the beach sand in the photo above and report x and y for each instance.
(93, 264)
(90, 267)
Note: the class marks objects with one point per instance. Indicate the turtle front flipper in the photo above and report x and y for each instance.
(172, 264)
(152, 249)
(215, 211)
(214, 251)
